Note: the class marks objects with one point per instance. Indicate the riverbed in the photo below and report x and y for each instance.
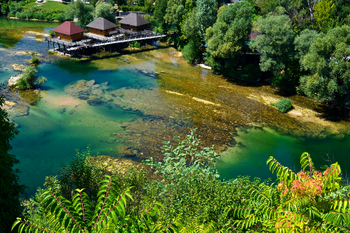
(127, 104)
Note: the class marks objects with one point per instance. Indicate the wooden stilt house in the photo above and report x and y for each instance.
(69, 31)
(134, 22)
(101, 26)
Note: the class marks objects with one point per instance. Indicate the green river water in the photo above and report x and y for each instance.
(151, 96)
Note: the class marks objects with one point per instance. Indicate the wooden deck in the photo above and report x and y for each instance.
(67, 43)
(127, 40)
(101, 42)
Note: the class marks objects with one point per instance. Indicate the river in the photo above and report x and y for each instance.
(126, 105)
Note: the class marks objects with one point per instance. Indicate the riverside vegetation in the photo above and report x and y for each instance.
(185, 194)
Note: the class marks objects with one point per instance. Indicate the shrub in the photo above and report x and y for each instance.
(79, 173)
(41, 81)
(28, 79)
(60, 17)
(190, 186)
(52, 33)
(137, 44)
(284, 105)
(35, 61)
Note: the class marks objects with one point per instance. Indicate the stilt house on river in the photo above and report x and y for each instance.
(101, 26)
(69, 31)
(134, 22)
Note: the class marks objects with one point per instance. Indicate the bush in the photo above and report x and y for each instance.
(284, 105)
(35, 61)
(28, 79)
(190, 186)
(60, 17)
(125, 8)
(79, 173)
(52, 33)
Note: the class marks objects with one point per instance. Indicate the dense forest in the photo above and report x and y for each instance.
(299, 46)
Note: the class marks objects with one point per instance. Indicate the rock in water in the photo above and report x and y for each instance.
(13, 80)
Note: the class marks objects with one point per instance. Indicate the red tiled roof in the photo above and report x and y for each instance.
(68, 28)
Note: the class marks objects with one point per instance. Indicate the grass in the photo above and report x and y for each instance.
(49, 5)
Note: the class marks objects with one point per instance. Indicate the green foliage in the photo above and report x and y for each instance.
(10, 189)
(322, 12)
(309, 201)
(51, 33)
(104, 10)
(41, 81)
(190, 27)
(206, 15)
(304, 41)
(189, 185)
(276, 44)
(81, 214)
(82, 11)
(135, 44)
(191, 51)
(266, 6)
(175, 11)
(159, 13)
(276, 47)
(284, 105)
(79, 174)
(327, 63)
(226, 39)
(29, 78)
(125, 8)
(35, 60)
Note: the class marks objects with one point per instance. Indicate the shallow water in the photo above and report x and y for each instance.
(256, 145)
(150, 97)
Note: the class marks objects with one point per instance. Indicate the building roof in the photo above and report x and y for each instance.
(101, 24)
(133, 19)
(254, 35)
(68, 28)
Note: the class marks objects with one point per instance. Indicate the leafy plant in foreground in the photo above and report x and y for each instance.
(308, 201)
(10, 189)
(82, 215)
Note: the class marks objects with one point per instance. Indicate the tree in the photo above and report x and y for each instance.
(159, 13)
(191, 51)
(82, 11)
(174, 12)
(206, 15)
(304, 41)
(329, 67)
(28, 79)
(276, 47)
(104, 10)
(265, 6)
(311, 5)
(323, 11)
(10, 189)
(227, 37)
